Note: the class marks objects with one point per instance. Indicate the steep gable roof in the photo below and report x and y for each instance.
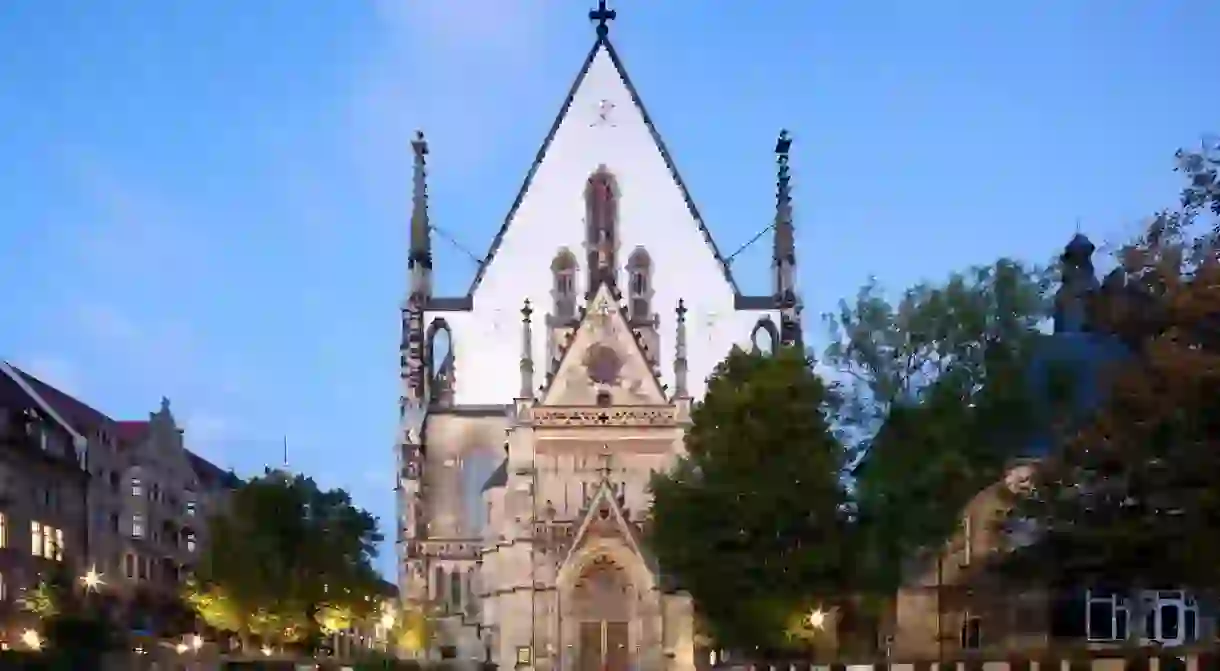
(79, 417)
(82, 420)
(603, 324)
(602, 43)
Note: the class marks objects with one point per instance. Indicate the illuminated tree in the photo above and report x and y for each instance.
(288, 561)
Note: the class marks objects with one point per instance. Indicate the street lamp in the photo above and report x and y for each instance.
(32, 639)
(817, 618)
(92, 580)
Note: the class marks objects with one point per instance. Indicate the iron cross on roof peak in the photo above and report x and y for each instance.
(602, 16)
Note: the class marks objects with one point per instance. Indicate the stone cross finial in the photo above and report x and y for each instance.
(604, 469)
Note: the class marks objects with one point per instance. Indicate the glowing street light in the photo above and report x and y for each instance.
(266, 651)
(196, 642)
(92, 580)
(181, 648)
(32, 639)
(817, 618)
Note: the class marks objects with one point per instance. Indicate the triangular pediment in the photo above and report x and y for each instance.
(604, 357)
(605, 519)
(602, 121)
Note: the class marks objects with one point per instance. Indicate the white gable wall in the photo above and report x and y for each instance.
(652, 213)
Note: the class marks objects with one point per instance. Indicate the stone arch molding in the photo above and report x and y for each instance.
(644, 600)
(616, 551)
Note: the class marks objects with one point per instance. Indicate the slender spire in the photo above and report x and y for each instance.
(680, 352)
(421, 234)
(602, 16)
(783, 260)
(527, 358)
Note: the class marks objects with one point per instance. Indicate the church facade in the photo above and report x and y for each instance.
(573, 359)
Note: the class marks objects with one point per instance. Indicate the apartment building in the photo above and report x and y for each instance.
(141, 511)
(43, 491)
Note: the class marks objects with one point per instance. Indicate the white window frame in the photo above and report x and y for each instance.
(1118, 609)
(137, 525)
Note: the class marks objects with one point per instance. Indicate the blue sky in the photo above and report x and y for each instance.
(209, 199)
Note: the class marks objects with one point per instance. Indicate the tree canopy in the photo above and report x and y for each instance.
(287, 561)
(937, 400)
(1133, 493)
(751, 520)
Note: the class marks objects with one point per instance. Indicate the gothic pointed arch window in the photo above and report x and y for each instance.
(639, 284)
(455, 589)
(438, 590)
(563, 287)
(765, 337)
(438, 358)
(601, 226)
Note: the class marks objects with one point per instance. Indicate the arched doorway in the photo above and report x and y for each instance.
(602, 600)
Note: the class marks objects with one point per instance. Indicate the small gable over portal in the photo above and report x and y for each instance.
(604, 362)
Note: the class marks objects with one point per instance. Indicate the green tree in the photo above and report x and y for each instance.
(285, 559)
(1131, 496)
(751, 518)
(937, 400)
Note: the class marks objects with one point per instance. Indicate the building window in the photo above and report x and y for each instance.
(190, 508)
(190, 542)
(3, 530)
(114, 522)
(46, 541)
(137, 488)
(129, 563)
(639, 270)
(563, 293)
(967, 541)
(972, 632)
(3, 588)
(1107, 616)
(36, 539)
(137, 526)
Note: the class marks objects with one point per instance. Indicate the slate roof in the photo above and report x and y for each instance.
(602, 42)
(87, 421)
(498, 477)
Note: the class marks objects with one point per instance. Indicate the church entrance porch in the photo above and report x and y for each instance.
(603, 647)
(602, 604)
